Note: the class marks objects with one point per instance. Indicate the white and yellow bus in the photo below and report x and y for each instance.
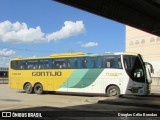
(112, 74)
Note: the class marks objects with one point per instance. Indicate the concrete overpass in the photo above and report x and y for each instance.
(141, 14)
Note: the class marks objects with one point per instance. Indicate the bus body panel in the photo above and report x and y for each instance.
(82, 80)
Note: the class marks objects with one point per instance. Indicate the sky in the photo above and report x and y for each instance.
(33, 28)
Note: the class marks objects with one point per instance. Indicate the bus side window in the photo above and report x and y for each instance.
(112, 62)
(90, 62)
(14, 65)
(32, 64)
(44, 64)
(119, 63)
(53, 64)
(60, 63)
(63, 65)
(79, 63)
(22, 65)
(84, 62)
(39, 67)
(72, 63)
(57, 65)
(116, 62)
(99, 62)
(125, 64)
(106, 62)
(30, 67)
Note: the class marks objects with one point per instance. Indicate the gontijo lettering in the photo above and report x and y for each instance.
(48, 73)
(113, 74)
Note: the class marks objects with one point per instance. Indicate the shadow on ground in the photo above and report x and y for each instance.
(115, 109)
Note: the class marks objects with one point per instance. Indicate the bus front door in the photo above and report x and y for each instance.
(138, 82)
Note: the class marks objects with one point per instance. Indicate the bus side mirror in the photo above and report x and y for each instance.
(150, 67)
(152, 70)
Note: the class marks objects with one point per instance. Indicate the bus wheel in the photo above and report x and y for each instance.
(113, 91)
(28, 88)
(38, 89)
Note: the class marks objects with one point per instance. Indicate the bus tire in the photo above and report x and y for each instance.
(113, 91)
(38, 88)
(28, 88)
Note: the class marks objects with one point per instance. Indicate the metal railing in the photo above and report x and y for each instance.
(155, 81)
(3, 80)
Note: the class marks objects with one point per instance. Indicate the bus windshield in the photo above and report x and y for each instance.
(134, 68)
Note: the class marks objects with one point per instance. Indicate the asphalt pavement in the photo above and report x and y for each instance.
(65, 106)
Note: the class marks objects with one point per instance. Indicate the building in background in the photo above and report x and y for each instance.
(3, 75)
(146, 44)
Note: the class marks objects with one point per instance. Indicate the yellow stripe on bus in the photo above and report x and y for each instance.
(50, 79)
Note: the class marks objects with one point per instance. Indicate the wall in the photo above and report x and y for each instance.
(146, 44)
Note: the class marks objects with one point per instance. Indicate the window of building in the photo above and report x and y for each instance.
(152, 40)
(131, 43)
(158, 39)
(137, 42)
(3, 74)
(143, 41)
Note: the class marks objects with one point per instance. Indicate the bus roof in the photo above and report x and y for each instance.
(130, 53)
(76, 54)
(68, 54)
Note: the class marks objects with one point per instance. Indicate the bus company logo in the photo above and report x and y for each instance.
(48, 73)
(21, 114)
(6, 114)
(113, 74)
